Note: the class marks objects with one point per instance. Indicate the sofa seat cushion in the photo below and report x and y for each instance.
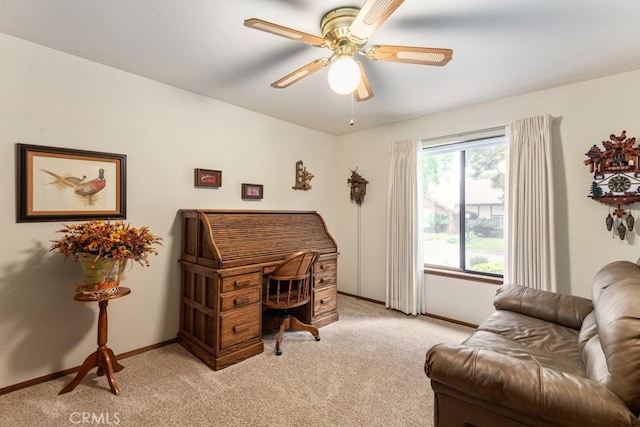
(528, 338)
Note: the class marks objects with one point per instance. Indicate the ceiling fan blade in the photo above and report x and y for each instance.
(363, 92)
(411, 55)
(300, 73)
(281, 31)
(370, 17)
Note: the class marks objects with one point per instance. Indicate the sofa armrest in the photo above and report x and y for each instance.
(526, 387)
(565, 310)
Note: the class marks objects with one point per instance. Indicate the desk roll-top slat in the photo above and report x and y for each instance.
(225, 239)
(225, 255)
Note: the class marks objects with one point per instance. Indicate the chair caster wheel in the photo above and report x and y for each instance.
(317, 338)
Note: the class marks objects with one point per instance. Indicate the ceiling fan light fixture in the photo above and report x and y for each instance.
(344, 75)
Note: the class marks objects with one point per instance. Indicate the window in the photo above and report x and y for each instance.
(464, 192)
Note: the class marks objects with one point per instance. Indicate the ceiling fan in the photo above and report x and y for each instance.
(345, 31)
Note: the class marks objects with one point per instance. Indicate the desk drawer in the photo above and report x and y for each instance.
(241, 281)
(324, 300)
(237, 326)
(325, 266)
(324, 279)
(237, 299)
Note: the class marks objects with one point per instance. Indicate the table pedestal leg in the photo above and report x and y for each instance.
(103, 358)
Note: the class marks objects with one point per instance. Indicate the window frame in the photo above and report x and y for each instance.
(461, 146)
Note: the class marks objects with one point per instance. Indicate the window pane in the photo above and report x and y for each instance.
(464, 205)
(484, 208)
(442, 209)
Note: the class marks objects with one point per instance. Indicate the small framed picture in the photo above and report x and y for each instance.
(252, 191)
(207, 178)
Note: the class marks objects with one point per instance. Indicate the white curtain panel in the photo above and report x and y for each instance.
(405, 266)
(530, 245)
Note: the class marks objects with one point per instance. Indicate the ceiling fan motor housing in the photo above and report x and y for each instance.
(335, 30)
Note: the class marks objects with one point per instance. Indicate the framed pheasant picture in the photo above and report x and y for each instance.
(62, 184)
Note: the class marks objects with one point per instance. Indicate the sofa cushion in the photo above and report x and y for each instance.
(565, 310)
(589, 330)
(613, 355)
(528, 338)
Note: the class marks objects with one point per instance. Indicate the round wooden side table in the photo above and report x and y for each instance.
(103, 358)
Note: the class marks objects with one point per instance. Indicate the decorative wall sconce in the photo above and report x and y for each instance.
(616, 179)
(358, 187)
(303, 177)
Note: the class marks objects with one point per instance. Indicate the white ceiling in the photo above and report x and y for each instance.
(500, 48)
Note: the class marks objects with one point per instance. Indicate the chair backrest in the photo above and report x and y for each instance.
(288, 285)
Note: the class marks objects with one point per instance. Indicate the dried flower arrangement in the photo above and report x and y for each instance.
(106, 239)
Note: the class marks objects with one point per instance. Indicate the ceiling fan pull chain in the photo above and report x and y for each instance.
(351, 122)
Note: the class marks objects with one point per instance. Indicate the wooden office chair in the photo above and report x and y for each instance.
(289, 286)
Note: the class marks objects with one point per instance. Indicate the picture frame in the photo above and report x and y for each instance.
(207, 178)
(63, 184)
(252, 191)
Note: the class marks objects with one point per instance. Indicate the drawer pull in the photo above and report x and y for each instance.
(325, 300)
(321, 281)
(241, 328)
(241, 300)
(242, 283)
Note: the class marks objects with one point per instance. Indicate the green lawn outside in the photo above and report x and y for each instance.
(483, 253)
(493, 244)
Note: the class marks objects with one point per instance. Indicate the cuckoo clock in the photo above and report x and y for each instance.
(616, 179)
(358, 187)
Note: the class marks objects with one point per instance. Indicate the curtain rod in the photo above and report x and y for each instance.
(471, 132)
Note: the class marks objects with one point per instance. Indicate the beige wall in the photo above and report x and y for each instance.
(50, 98)
(585, 114)
(54, 99)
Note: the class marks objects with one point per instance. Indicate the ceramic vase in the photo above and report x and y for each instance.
(101, 275)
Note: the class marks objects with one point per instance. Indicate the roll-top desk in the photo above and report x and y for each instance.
(225, 254)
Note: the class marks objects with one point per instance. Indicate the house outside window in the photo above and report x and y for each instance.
(464, 206)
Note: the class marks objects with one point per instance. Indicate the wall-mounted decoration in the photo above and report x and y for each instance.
(303, 177)
(252, 191)
(358, 187)
(60, 184)
(207, 178)
(616, 179)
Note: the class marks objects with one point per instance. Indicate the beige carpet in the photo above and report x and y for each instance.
(367, 370)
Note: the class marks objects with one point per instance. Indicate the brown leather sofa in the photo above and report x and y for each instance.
(546, 359)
